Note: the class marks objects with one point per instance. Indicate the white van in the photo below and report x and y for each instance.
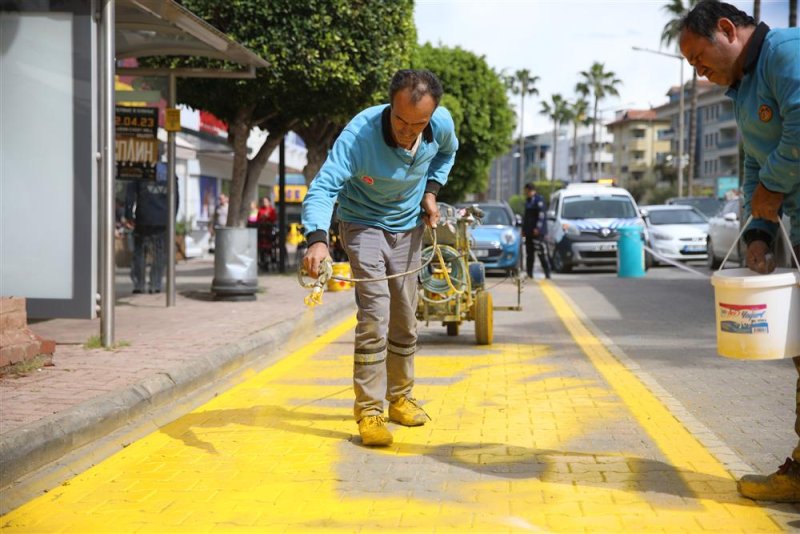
(582, 223)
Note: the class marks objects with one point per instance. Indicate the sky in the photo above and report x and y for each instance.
(556, 39)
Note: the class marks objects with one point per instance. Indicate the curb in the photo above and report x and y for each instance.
(28, 448)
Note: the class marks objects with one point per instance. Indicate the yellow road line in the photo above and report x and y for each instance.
(682, 449)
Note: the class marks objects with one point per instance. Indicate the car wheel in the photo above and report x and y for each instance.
(560, 264)
(712, 262)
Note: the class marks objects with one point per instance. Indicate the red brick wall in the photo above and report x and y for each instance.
(17, 342)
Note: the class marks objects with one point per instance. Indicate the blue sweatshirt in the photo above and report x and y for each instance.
(376, 182)
(767, 108)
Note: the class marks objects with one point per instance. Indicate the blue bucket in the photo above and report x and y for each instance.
(630, 252)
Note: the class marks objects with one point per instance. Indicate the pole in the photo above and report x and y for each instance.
(521, 175)
(171, 199)
(282, 205)
(680, 114)
(107, 172)
(680, 135)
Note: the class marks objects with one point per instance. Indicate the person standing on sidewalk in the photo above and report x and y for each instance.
(147, 212)
(762, 69)
(385, 169)
(534, 228)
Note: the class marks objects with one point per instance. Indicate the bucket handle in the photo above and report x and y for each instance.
(741, 232)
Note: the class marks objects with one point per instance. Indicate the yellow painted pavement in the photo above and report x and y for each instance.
(524, 438)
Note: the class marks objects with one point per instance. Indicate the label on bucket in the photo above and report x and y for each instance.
(743, 318)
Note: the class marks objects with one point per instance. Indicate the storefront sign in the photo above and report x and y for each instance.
(294, 193)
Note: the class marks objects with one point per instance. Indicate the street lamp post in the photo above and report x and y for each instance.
(680, 113)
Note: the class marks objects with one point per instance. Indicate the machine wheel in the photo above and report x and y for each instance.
(560, 265)
(452, 329)
(484, 327)
(712, 262)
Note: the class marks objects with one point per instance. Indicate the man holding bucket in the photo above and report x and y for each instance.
(386, 169)
(762, 69)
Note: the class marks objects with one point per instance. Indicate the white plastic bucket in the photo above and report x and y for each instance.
(758, 315)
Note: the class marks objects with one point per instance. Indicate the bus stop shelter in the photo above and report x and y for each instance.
(57, 140)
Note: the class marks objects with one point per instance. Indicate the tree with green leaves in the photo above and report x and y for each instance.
(558, 111)
(328, 59)
(600, 84)
(677, 9)
(578, 116)
(475, 96)
(522, 83)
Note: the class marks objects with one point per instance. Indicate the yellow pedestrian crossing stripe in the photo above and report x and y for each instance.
(523, 438)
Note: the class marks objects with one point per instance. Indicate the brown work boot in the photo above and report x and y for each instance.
(406, 411)
(781, 486)
(374, 432)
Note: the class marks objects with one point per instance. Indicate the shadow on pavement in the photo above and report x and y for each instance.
(615, 471)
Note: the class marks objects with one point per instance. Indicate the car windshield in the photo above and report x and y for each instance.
(495, 215)
(607, 207)
(708, 206)
(676, 217)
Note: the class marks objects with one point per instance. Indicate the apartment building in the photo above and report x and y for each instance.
(638, 144)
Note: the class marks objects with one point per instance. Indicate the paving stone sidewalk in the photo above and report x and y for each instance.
(163, 354)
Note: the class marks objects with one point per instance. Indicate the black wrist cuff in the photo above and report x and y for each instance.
(433, 187)
(754, 234)
(317, 236)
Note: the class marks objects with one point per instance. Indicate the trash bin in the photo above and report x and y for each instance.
(630, 252)
(235, 264)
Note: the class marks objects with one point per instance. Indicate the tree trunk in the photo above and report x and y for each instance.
(692, 134)
(555, 149)
(757, 10)
(254, 168)
(594, 142)
(238, 132)
(318, 136)
(792, 13)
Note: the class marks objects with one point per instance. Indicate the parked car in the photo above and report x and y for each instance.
(722, 232)
(497, 240)
(708, 206)
(677, 231)
(582, 224)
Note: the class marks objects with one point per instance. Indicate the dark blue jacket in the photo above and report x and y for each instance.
(146, 203)
(535, 209)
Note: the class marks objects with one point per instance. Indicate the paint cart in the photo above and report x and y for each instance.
(452, 285)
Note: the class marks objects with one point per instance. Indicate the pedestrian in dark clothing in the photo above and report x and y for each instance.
(146, 205)
(534, 228)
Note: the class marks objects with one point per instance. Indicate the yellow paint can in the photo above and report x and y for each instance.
(342, 269)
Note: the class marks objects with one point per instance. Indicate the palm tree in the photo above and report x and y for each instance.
(579, 117)
(792, 13)
(757, 10)
(559, 112)
(522, 83)
(678, 9)
(600, 84)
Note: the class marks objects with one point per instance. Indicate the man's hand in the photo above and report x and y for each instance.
(759, 258)
(315, 255)
(765, 204)
(431, 209)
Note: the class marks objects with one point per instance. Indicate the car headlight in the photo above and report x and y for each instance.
(570, 229)
(507, 237)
